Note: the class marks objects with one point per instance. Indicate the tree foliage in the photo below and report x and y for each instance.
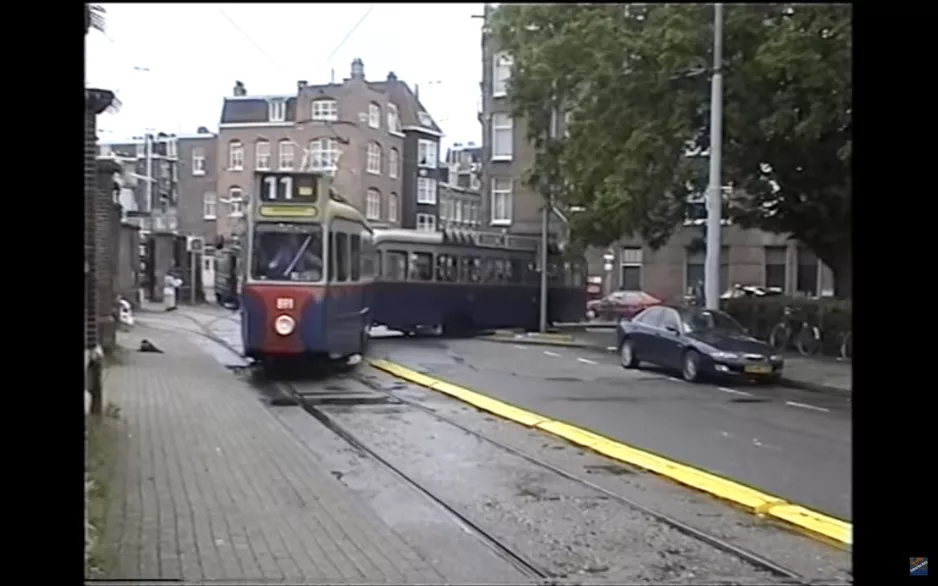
(634, 83)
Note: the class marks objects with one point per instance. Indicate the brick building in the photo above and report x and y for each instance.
(153, 203)
(460, 187)
(750, 257)
(375, 138)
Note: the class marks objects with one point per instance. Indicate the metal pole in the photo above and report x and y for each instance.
(192, 262)
(545, 224)
(715, 187)
(148, 152)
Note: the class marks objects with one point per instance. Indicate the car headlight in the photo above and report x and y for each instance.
(284, 325)
(776, 358)
(724, 355)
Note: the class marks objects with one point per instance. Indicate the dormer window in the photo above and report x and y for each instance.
(278, 110)
(424, 119)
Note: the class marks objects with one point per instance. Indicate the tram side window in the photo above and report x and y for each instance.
(340, 256)
(447, 270)
(355, 256)
(394, 265)
(532, 276)
(517, 271)
(369, 257)
(470, 269)
(421, 266)
(488, 270)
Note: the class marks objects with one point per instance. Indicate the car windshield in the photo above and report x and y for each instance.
(287, 252)
(712, 321)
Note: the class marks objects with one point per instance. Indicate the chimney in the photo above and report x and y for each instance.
(358, 69)
(417, 91)
(301, 85)
(239, 89)
(391, 76)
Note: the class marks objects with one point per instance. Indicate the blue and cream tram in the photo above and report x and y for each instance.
(308, 272)
(465, 282)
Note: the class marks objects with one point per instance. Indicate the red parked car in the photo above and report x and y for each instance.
(619, 304)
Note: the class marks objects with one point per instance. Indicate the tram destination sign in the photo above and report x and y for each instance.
(288, 188)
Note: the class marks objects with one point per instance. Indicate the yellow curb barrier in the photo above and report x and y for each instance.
(760, 503)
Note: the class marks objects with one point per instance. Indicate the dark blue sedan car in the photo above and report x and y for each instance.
(699, 342)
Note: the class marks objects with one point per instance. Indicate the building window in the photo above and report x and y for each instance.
(630, 269)
(424, 119)
(374, 115)
(235, 155)
(501, 73)
(392, 207)
(209, 206)
(457, 216)
(285, 155)
(695, 270)
(807, 273)
(373, 165)
(373, 205)
(325, 110)
(426, 153)
(776, 267)
(324, 154)
(262, 155)
(278, 110)
(393, 163)
(236, 202)
(426, 190)
(444, 208)
(501, 201)
(426, 222)
(394, 123)
(502, 131)
(198, 161)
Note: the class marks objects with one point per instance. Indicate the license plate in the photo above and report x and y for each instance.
(758, 369)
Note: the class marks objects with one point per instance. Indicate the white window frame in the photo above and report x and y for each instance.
(235, 196)
(374, 115)
(426, 191)
(426, 222)
(394, 120)
(209, 206)
(502, 122)
(394, 162)
(501, 74)
(285, 156)
(198, 161)
(277, 108)
(427, 153)
(325, 109)
(324, 154)
(392, 207)
(372, 204)
(632, 256)
(262, 155)
(373, 162)
(500, 191)
(236, 155)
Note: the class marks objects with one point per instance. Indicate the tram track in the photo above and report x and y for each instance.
(520, 561)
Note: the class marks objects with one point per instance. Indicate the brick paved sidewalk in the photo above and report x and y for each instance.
(208, 485)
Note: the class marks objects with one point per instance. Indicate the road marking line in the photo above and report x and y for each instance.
(756, 501)
(519, 347)
(806, 406)
(734, 391)
(586, 361)
(549, 353)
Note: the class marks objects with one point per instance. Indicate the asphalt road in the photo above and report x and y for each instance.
(791, 443)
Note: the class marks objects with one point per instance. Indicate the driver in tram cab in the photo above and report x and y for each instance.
(286, 252)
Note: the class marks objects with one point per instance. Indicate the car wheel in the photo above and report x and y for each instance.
(691, 368)
(627, 357)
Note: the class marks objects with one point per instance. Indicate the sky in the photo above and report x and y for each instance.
(171, 65)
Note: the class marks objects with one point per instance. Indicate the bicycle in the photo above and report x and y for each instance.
(807, 337)
(846, 346)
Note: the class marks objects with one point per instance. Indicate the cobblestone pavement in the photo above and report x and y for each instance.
(209, 485)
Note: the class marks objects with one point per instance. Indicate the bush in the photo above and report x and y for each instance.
(760, 314)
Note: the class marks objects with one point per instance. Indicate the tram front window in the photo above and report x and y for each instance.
(288, 255)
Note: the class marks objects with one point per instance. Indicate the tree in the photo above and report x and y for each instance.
(633, 82)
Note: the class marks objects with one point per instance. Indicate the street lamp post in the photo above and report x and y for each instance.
(714, 186)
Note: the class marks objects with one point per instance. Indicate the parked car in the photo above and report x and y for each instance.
(619, 304)
(750, 291)
(699, 342)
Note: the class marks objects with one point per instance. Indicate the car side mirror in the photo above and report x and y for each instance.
(673, 329)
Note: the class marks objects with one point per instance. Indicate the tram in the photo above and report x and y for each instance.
(308, 273)
(460, 283)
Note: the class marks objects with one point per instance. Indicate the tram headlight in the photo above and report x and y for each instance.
(284, 325)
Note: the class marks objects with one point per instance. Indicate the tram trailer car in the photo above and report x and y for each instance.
(464, 282)
(306, 296)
